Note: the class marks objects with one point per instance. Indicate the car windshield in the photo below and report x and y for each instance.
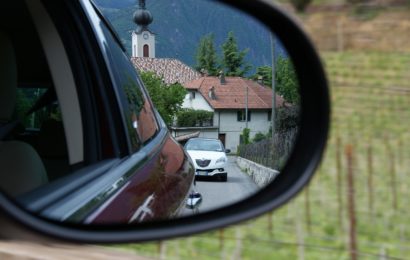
(204, 145)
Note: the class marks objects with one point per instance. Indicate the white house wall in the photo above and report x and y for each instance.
(229, 125)
(227, 121)
(197, 103)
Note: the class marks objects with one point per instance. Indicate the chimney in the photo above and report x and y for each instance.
(211, 93)
(222, 77)
(204, 73)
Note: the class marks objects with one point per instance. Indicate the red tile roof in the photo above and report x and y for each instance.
(232, 94)
(172, 70)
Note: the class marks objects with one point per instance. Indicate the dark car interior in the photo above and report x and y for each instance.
(32, 138)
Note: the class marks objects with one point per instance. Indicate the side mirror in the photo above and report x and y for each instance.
(119, 180)
(194, 201)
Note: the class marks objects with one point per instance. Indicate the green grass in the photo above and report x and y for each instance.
(367, 108)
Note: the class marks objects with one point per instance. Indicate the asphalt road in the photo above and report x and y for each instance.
(216, 194)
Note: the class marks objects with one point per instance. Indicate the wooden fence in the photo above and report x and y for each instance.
(271, 153)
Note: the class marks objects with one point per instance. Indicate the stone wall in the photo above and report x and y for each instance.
(260, 174)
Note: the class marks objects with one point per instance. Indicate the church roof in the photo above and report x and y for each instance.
(232, 94)
(171, 70)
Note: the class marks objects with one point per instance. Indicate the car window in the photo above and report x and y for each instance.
(46, 126)
(35, 105)
(41, 127)
(26, 98)
(37, 129)
(137, 110)
(204, 145)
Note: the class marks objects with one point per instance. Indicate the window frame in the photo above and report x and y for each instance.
(117, 78)
(66, 87)
(241, 117)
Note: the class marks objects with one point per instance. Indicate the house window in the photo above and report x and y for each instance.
(146, 50)
(193, 95)
(242, 115)
(270, 115)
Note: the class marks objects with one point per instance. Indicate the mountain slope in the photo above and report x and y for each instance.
(179, 25)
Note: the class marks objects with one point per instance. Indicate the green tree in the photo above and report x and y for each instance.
(206, 57)
(167, 99)
(233, 60)
(266, 73)
(286, 81)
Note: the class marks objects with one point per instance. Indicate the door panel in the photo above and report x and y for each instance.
(156, 191)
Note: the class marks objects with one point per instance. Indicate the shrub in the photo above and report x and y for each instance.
(245, 136)
(259, 137)
(191, 118)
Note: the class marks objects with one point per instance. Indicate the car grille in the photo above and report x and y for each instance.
(202, 163)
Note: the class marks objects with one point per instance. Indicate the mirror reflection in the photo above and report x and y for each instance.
(207, 72)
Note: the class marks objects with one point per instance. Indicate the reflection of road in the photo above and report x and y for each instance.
(217, 194)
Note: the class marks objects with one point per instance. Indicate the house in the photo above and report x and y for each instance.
(229, 98)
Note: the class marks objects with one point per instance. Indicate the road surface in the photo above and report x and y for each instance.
(216, 194)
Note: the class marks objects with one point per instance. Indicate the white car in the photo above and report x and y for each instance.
(209, 158)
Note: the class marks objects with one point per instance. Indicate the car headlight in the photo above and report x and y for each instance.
(221, 160)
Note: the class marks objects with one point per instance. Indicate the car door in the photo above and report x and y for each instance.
(127, 168)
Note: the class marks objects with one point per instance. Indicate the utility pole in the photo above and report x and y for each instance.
(273, 86)
(246, 107)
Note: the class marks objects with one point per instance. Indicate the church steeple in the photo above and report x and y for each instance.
(143, 40)
(142, 17)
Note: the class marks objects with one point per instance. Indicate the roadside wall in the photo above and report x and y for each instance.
(260, 174)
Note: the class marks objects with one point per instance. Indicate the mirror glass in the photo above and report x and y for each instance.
(208, 69)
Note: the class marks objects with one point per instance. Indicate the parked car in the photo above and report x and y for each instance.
(87, 145)
(209, 158)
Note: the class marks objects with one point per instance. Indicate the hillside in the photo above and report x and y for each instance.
(179, 25)
(363, 28)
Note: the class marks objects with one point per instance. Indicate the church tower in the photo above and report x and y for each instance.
(143, 40)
